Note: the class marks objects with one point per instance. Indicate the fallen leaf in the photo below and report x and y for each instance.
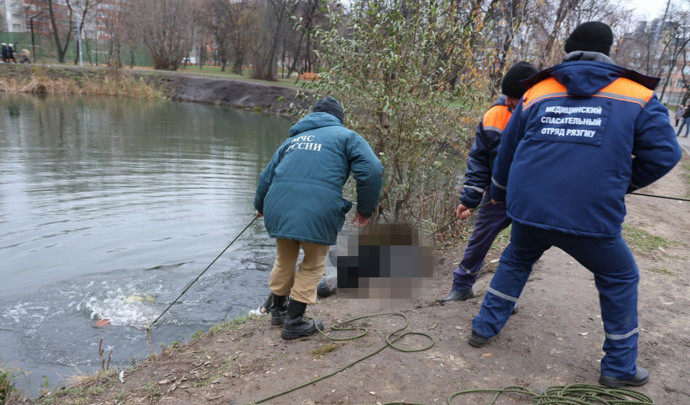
(486, 355)
(583, 333)
(372, 392)
(433, 326)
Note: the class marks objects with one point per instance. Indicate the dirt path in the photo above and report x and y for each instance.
(555, 339)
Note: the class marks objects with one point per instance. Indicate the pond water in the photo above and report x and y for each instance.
(108, 208)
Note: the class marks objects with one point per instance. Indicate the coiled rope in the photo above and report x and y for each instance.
(575, 394)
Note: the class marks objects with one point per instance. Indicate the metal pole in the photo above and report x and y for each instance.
(81, 62)
(33, 42)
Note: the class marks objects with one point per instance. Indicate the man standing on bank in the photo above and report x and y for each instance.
(586, 133)
(300, 198)
(491, 219)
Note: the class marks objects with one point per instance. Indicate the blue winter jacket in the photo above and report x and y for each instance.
(481, 157)
(582, 136)
(300, 191)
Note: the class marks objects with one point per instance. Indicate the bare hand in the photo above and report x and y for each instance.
(360, 220)
(463, 212)
(260, 215)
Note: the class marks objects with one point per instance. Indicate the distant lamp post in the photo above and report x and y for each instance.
(33, 43)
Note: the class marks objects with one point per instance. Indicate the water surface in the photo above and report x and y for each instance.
(108, 209)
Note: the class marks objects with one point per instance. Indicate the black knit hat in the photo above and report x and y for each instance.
(510, 85)
(330, 105)
(593, 36)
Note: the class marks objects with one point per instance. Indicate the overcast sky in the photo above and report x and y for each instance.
(649, 9)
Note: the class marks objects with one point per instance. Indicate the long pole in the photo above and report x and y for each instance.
(199, 276)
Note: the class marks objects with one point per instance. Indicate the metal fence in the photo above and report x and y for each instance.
(93, 53)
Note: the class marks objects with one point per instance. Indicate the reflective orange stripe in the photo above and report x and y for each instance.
(544, 89)
(496, 118)
(620, 89)
(627, 90)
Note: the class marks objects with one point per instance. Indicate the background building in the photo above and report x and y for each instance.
(13, 17)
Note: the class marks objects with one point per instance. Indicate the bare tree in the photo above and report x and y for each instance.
(61, 17)
(565, 7)
(676, 44)
(216, 17)
(165, 27)
(265, 52)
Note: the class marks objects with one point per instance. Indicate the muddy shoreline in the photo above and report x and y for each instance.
(227, 92)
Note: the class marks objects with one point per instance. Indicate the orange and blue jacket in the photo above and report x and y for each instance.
(481, 157)
(583, 135)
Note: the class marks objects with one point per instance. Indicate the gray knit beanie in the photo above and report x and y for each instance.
(330, 105)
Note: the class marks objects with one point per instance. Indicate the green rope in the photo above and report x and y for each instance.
(391, 339)
(575, 394)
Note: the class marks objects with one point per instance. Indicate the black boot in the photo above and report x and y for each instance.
(278, 309)
(296, 325)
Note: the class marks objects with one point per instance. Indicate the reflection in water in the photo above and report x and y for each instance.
(108, 208)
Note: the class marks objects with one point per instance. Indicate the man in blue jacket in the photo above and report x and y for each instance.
(586, 133)
(300, 198)
(492, 219)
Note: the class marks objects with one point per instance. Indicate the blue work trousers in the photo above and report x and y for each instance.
(615, 274)
(686, 124)
(491, 220)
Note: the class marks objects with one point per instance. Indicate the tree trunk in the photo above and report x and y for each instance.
(564, 9)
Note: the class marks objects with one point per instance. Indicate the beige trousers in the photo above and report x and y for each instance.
(299, 285)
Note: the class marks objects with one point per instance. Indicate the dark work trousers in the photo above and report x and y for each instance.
(686, 124)
(615, 275)
(491, 220)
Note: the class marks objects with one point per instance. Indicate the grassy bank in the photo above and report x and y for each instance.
(98, 82)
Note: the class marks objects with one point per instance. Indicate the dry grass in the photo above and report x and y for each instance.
(41, 81)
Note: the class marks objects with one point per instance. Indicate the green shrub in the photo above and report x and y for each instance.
(396, 71)
(6, 383)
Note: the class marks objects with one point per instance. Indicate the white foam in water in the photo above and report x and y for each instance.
(121, 309)
(24, 311)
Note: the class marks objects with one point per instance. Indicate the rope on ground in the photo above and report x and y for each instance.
(575, 394)
(391, 339)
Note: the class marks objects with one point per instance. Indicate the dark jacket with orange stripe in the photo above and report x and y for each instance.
(583, 135)
(481, 157)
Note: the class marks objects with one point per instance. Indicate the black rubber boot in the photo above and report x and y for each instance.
(640, 378)
(278, 309)
(454, 295)
(296, 325)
